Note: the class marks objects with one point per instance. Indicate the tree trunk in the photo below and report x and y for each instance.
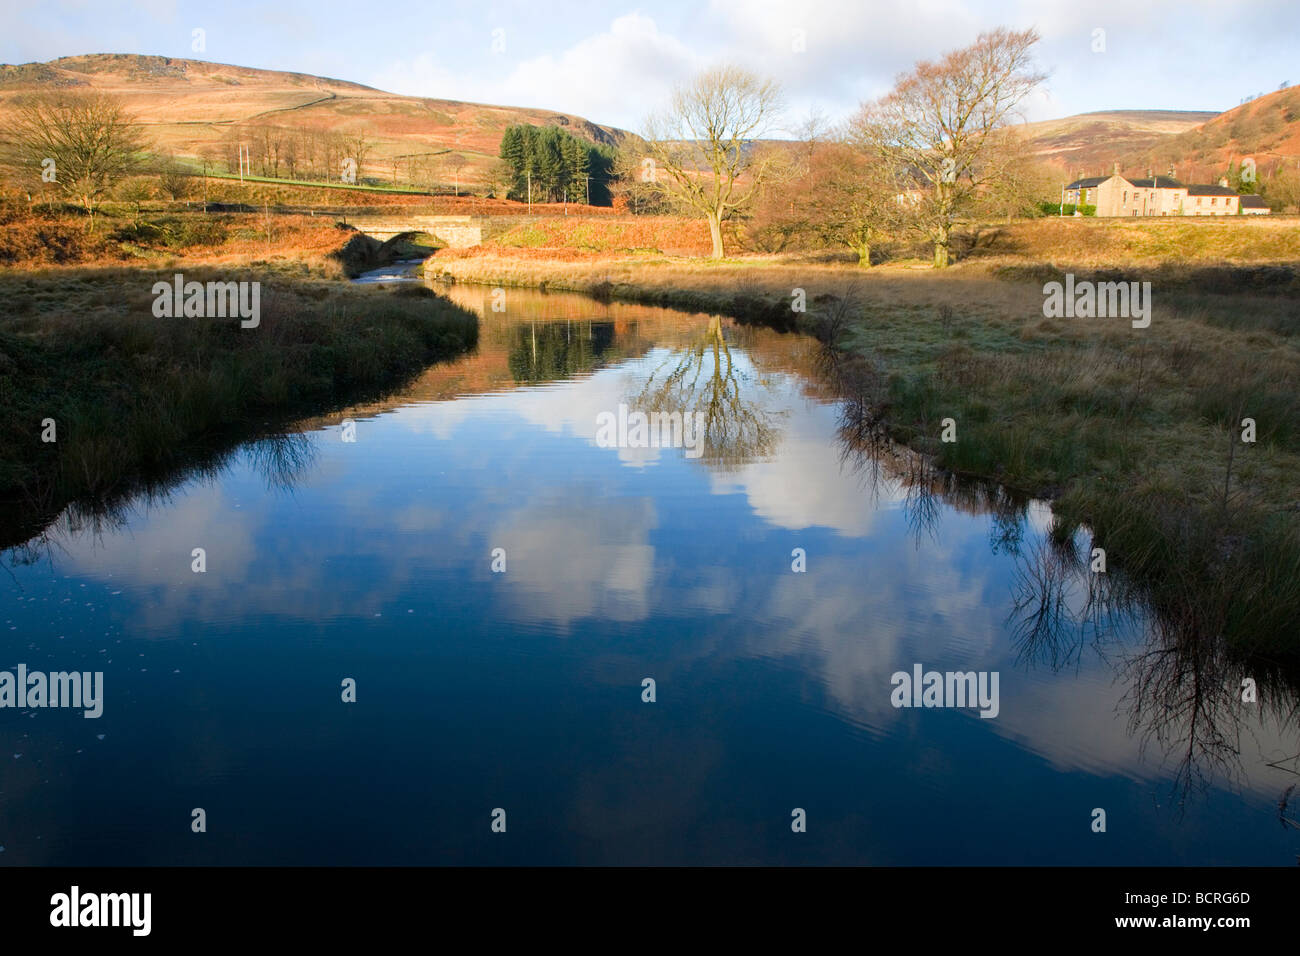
(715, 231)
(864, 254)
(941, 252)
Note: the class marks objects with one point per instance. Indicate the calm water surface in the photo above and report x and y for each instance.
(371, 560)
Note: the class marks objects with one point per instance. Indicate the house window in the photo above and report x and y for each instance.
(1126, 197)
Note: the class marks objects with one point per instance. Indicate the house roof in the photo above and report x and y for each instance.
(1163, 182)
(1253, 202)
(1210, 191)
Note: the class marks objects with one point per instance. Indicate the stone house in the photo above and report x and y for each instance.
(1117, 195)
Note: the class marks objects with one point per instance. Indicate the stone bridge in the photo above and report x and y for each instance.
(456, 231)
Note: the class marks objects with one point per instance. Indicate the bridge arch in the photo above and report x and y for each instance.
(457, 232)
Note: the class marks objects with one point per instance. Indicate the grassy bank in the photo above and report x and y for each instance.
(1134, 433)
(1083, 243)
(133, 396)
(292, 245)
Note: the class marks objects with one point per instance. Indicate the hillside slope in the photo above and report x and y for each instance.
(1090, 142)
(1266, 129)
(194, 108)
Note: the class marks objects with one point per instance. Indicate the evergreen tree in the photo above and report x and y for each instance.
(559, 164)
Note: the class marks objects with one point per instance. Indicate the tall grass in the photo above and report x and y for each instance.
(132, 395)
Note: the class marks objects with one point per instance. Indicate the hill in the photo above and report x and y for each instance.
(1266, 129)
(197, 110)
(1199, 146)
(1092, 142)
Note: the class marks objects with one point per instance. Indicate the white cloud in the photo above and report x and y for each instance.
(625, 71)
(616, 76)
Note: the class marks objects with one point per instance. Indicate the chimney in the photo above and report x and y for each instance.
(1117, 169)
(1224, 182)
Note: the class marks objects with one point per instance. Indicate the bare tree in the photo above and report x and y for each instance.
(782, 216)
(701, 148)
(455, 162)
(135, 191)
(811, 133)
(1016, 180)
(86, 141)
(174, 179)
(633, 187)
(289, 150)
(943, 121)
(269, 140)
(853, 199)
(498, 182)
(355, 146)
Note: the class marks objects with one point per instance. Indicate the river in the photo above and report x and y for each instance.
(496, 585)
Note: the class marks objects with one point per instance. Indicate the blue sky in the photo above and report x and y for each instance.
(613, 62)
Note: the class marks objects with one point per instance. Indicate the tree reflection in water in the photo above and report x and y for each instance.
(703, 378)
(1183, 681)
(280, 460)
(557, 350)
